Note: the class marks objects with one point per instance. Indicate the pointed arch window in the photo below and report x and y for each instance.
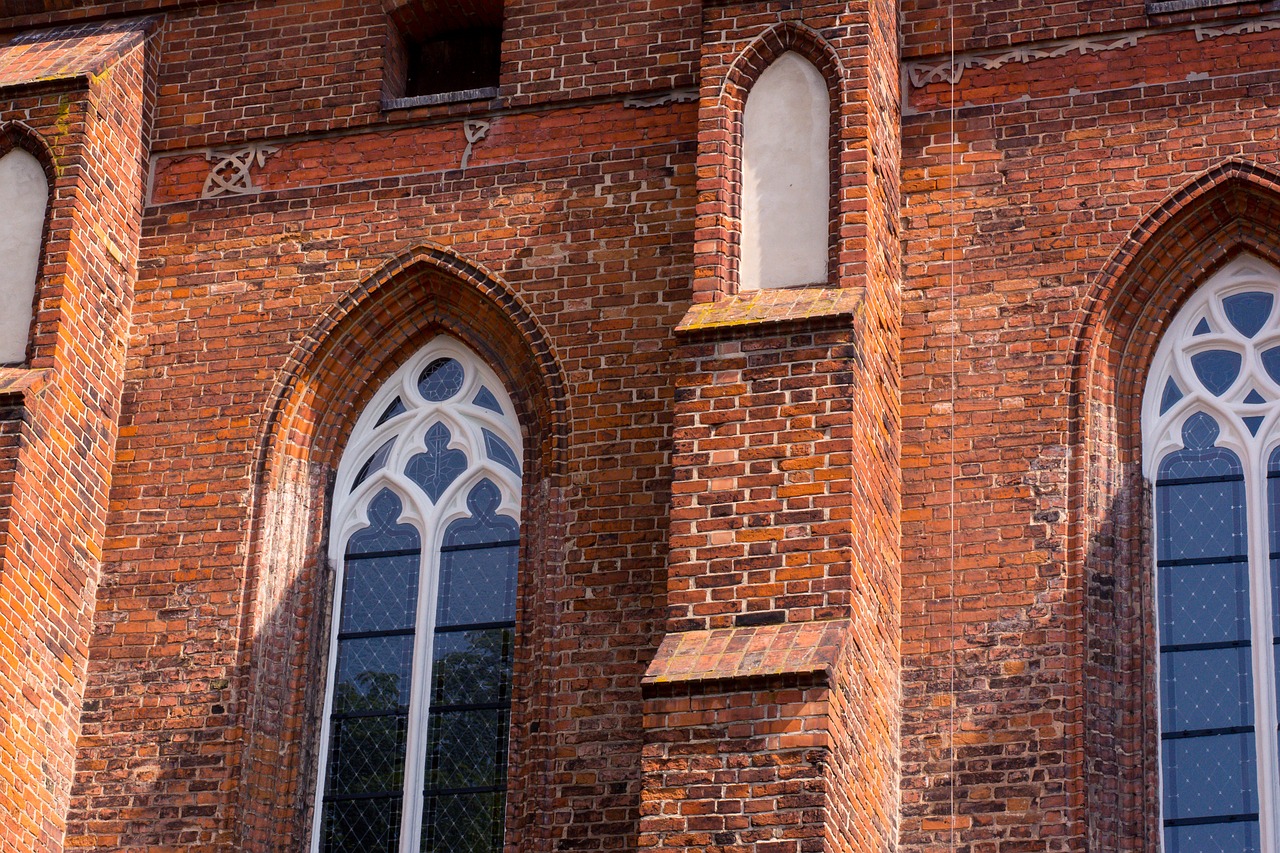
(786, 177)
(1211, 443)
(24, 197)
(425, 539)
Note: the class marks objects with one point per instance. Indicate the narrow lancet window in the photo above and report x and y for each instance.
(24, 196)
(786, 177)
(1211, 444)
(426, 532)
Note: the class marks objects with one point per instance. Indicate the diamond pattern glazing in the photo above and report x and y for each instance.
(1208, 447)
(413, 685)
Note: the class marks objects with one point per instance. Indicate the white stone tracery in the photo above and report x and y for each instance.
(395, 428)
(1220, 357)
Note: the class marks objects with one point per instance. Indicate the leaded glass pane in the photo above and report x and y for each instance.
(366, 755)
(436, 468)
(376, 462)
(464, 748)
(471, 667)
(1254, 398)
(485, 400)
(485, 525)
(1206, 689)
(463, 823)
(1248, 312)
(440, 380)
(1271, 363)
(499, 451)
(1204, 603)
(373, 673)
(383, 532)
(361, 826)
(380, 593)
(1172, 394)
(1201, 519)
(1210, 776)
(1216, 369)
(397, 407)
(1236, 836)
(477, 585)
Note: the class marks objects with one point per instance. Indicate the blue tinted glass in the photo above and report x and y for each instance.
(383, 534)
(1253, 422)
(1206, 689)
(1202, 328)
(1253, 397)
(1199, 520)
(440, 380)
(439, 466)
(499, 451)
(1204, 603)
(477, 585)
(396, 408)
(1242, 836)
(485, 525)
(471, 667)
(1248, 312)
(1199, 431)
(485, 400)
(373, 674)
(379, 593)
(1172, 394)
(1216, 369)
(1209, 776)
(1271, 363)
(375, 463)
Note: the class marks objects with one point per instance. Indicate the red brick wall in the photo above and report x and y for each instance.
(92, 134)
(1037, 227)
(204, 679)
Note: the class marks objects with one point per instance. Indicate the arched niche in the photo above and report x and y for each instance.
(24, 197)
(786, 177)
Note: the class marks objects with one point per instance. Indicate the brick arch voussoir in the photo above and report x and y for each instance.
(1229, 210)
(325, 384)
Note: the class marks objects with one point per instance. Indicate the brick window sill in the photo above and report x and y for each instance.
(19, 384)
(768, 308)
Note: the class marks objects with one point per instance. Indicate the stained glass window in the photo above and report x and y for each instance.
(426, 533)
(1210, 439)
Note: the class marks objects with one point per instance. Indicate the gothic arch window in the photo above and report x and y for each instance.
(424, 535)
(1211, 444)
(786, 177)
(24, 196)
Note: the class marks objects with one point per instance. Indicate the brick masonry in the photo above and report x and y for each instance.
(850, 568)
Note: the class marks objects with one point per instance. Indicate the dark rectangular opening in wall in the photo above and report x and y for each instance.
(454, 61)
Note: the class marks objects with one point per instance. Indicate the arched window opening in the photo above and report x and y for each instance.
(24, 197)
(1211, 442)
(786, 177)
(449, 49)
(425, 538)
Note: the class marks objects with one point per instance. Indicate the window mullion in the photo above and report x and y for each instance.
(420, 698)
(1264, 682)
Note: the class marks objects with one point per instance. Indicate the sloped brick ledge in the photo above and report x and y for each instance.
(746, 652)
(770, 307)
(19, 384)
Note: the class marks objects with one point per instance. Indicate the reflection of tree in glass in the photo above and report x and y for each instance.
(369, 760)
(477, 673)
(468, 747)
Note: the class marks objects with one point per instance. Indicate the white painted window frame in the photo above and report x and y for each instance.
(350, 514)
(1162, 435)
